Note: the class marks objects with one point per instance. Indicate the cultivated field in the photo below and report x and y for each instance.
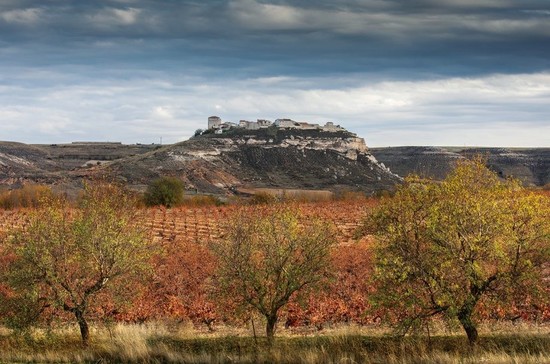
(204, 224)
(173, 315)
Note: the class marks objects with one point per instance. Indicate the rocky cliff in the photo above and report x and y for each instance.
(263, 158)
(530, 165)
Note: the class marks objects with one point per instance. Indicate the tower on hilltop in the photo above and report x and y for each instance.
(214, 122)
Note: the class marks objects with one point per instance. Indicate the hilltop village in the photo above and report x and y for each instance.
(216, 124)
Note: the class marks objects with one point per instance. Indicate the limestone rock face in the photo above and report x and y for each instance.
(261, 159)
(266, 158)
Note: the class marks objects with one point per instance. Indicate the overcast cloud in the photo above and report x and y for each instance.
(416, 72)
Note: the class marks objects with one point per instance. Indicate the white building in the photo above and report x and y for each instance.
(227, 125)
(308, 126)
(286, 123)
(249, 125)
(263, 123)
(214, 122)
(329, 126)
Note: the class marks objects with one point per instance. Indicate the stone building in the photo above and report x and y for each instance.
(214, 122)
(249, 125)
(308, 126)
(263, 123)
(286, 123)
(329, 126)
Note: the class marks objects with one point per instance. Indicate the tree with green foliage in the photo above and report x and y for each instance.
(64, 256)
(269, 256)
(443, 248)
(165, 191)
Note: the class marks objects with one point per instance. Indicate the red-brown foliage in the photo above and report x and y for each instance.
(179, 287)
(346, 297)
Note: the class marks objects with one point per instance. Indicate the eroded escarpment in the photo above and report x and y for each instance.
(290, 159)
(530, 165)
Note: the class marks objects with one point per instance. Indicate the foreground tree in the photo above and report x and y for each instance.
(443, 248)
(64, 256)
(269, 257)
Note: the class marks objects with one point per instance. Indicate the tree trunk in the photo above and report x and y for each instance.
(270, 327)
(84, 329)
(465, 317)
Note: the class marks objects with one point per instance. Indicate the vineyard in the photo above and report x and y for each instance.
(180, 286)
(183, 273)
(204, 224)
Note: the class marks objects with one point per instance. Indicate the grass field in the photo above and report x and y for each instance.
(153, 343)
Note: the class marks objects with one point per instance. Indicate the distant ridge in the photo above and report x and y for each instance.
(240, 159)
(530, 165)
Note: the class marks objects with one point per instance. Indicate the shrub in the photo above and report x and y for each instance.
(165, 191)
(28, 196)
(263, 198)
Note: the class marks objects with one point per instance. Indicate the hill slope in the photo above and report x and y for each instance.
(261, 158)
(297, 159)
(21, 162)
(531, 165)
(58, 164)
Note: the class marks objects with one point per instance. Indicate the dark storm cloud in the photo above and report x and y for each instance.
(174, 19)
(398, 72)
(346, 35)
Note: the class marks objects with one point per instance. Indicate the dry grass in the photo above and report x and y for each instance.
(162, 343)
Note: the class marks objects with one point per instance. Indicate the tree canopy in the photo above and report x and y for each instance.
(165, 191)
(64, 256)
(443, 248)
(271, 255)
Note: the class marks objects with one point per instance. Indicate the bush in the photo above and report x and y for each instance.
(263, 198)
(27, 196)
(165, 191)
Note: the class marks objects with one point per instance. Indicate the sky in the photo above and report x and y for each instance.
(396, 72)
